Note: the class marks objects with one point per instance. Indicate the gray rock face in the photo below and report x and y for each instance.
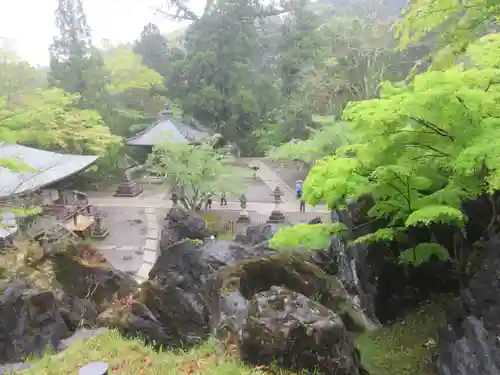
(181, 224)
(31, 322)
(470, 344)
(297, 332)
(173, 308)
(257, 234)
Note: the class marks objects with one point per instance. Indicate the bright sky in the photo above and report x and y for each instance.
(29, 24)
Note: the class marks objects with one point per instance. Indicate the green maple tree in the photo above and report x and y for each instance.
(420, 150)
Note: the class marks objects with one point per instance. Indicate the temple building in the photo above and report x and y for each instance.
(46, 167)
(168, 129)
(37, 185)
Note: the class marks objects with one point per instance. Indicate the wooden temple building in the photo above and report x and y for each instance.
(166, 129)
(62, 212)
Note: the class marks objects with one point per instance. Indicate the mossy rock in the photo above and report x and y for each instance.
(252, 276)
(407, 346)
(97, 282)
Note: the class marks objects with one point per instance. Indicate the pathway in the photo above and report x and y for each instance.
(271, 179)
(151, 246)
(152, 204)
(264, 208)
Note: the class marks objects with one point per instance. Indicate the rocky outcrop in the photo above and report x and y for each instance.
(86, 290)
(51, 295)
(469, 344)
(257, 234)
(369, 271)
(31, 322)
(234, 286)
(181, 224)
(288, 328)
(173, 303)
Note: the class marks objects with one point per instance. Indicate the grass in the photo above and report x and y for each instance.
(406, 347)
(132, 357)
(216, 224)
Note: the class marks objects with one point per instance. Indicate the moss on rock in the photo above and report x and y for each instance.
(405, 347)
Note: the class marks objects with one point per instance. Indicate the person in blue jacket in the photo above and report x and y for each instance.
(298, 189)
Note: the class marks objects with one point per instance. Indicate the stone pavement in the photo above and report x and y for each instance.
(264, 208)
(151, 246)
(271, 179)
(157, 203)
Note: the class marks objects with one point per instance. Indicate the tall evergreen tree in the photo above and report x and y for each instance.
(152, 47)
(76, 65)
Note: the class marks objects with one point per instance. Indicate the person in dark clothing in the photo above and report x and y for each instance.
(223, 201)
(208, 205)
(302, 206)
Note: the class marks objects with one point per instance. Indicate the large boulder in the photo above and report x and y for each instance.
(85, 289)
(231, 289)
(173, 303)
(31, 321)
(181, 224)
(469, 344)
(288, 328)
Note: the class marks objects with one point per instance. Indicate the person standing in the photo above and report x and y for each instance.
(208, 205)
(298, 189)
(302, 206)
(223, 200)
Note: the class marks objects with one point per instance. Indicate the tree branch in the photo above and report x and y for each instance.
(432, 127)
(428, 147)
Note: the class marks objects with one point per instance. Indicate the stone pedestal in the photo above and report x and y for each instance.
(128, 188)
(98, 231)
(244, 217)
(276, 217)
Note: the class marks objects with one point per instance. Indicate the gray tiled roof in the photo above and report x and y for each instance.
(49, 167)
(167, 129)
(8, 224)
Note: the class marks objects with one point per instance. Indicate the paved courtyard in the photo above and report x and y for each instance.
(135, 223)
(123, 248)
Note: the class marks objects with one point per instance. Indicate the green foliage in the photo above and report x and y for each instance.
(126, 71)
(197, 172)
(49, 119)
(435, 214)
(306, 236)
(456, 24)
(422, 253)
(17, 77)
(75, 65)
(218, 80)
(134, 91)
(152, 46)
(381, 235)
(323, 142)
(419, 150)
(407, 346)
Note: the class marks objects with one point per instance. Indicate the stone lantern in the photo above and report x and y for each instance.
(98, 230)
(277, 215)
(127, 186)
(254, 168)
(244, 217)
(175, 199)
